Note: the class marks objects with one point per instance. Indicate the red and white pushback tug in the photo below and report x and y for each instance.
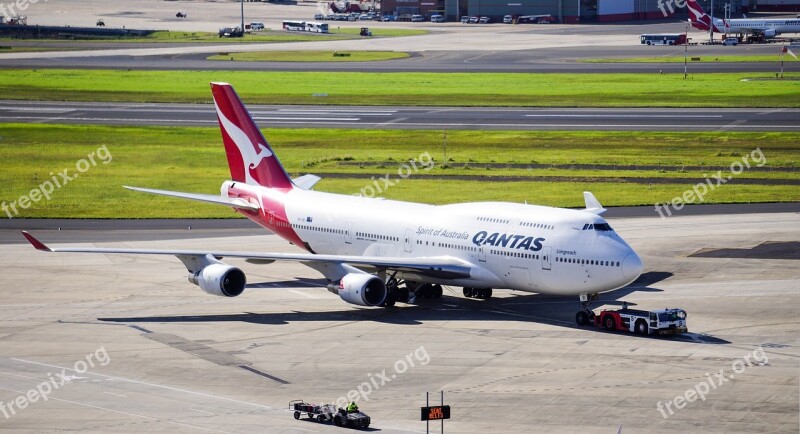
(663, 322)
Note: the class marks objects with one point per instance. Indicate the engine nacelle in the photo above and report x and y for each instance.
(769, 34)
(220, 279)
(362, 289)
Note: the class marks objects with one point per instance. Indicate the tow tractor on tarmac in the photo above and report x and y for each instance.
(327, 413)
(661, 322)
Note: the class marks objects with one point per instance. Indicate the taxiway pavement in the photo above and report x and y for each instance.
(180, 360)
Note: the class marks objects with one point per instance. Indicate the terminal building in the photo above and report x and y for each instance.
(575, 11)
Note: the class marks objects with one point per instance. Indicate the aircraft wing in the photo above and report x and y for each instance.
(441, 266)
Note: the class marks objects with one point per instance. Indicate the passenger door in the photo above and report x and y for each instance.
(547, 253)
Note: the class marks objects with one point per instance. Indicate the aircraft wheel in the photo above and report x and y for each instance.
(437, 291)
(582, 318)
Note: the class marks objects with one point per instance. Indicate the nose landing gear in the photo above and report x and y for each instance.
(585, 316)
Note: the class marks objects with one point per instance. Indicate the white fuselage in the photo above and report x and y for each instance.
(747, 25)
(523, 247)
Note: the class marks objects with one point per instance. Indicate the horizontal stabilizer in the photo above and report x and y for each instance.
(306, 182)
(209, 198)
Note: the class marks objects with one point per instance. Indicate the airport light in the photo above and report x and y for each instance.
(686, 53)
(711, 27)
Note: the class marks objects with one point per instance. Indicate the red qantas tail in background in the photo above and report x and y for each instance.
(697, 16)
(249, 156)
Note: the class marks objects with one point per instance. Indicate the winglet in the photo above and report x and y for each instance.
(592, 204)
(38, 245)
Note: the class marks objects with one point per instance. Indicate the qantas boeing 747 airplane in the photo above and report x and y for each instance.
(374, 252)
(768, 28)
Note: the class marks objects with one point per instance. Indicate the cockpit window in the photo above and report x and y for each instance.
(601, 227)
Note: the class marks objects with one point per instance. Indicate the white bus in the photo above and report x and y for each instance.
(305, 26)
(316, 27)
(663, 39)
(297, 26)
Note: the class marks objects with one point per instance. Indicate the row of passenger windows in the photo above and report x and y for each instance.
(448, 246)
(536, 225)
(602, 227)
(514, 254)
(319, 229)
(492, 220)
(377, 236)
(588, 262)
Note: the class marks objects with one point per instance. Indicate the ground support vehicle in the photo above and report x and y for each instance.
(661, 322)
(327, 413)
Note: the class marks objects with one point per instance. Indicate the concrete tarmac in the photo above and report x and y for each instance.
(142, 350)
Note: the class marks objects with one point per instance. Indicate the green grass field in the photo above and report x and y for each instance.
(433, 89)
(192, 159)
(310, 56)
(678, 58)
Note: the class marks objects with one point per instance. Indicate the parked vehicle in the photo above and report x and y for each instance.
(256, 26)
(231, 32)
(485, 20)
(474, 20)
(437, 18)
(417, 18)
(464, 19)
(731, 41)
(508, 19)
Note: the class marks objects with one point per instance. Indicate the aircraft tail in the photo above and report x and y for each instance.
(250, 157)
(697, 16)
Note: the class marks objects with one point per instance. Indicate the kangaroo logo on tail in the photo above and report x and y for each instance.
(249, 156)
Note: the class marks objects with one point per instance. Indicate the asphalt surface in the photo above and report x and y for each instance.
(645, 119)
(167, 357)
(548, 59)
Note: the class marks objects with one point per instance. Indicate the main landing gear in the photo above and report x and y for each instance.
(481, 293)
(407, 291)
(585, 316)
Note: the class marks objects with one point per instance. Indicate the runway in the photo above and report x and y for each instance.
(645, 119)
(544, 60)
(167, 357)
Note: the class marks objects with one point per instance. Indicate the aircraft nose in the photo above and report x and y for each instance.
(632, 266)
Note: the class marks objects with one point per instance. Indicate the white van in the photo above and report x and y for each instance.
(256, 26)
(437, 18)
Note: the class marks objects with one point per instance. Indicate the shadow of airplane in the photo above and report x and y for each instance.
(524, 307)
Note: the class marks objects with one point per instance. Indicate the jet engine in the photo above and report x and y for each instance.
(361, 289)
(769, 34)
(220, 279)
